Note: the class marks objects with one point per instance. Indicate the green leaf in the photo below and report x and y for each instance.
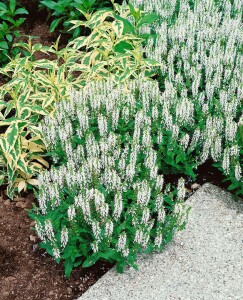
(37, 109)
(147, 19)
(77, 263)
(76, 32)
(21, 11)
(134, 12)
(23, 167)
(3, 7)
(9, 37)
(120, 266)
(151, 62)
(122, 47)
(10, 191)
(233, 186)
(20, 21)
(90, 260)
(128, 27)
(3, 45)
(109, 254)
(12, 134)
(48, 3)
(68, 267)
(55, 23)
(12, 5)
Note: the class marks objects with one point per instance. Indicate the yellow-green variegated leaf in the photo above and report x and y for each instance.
(37, 109)
(3, 143)
(42, 79)
(33, 147)
(99, 17)
(61, 73)
(41, 160)
(118, 27)
(23, 99)
(10, 105)
(46, 64)
(33, 181)
(36, 167)
(22, 166)
(12, 134)
(36, 130)
(127, 74)
(2, 104)
(11, 174)
(90, 58)
(2, 178)
(48, 101)
(97, 69)
(78, 42)
(77, 23)
(151, 62)
(22, 185)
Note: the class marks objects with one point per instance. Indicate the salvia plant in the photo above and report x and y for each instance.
(35, 85)
(199, 46)
(105, 196)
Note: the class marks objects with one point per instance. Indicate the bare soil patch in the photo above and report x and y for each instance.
(27, 272)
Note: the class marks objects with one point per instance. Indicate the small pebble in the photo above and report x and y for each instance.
(51, 293)
(5, 294)
(10, 278)
(7, 202)
(35, 247)
(69, 290)
(32, 238)
(21, 204)
(19, 199)
(32, 223)
(195, 186)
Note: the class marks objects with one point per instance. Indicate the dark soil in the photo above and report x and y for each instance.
(205, 173)
(37, 25)
(26, 272)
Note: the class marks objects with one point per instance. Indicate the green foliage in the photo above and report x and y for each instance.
(10, 21)
(64, 11)
(104, 197)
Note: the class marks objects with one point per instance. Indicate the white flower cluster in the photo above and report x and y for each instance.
(200, 51)
(103, 163)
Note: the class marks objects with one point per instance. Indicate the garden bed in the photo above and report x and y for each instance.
(27, 272)
(75, 196)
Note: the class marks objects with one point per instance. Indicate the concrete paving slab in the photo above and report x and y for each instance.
(203, 262)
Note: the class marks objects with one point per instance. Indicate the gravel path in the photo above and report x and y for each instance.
(203, 262)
